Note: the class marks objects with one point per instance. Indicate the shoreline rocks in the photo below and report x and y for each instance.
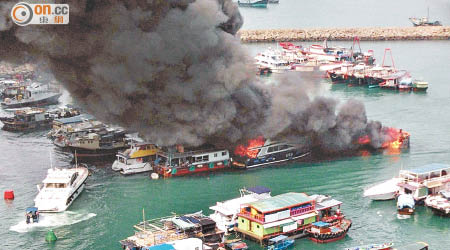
(346, 34)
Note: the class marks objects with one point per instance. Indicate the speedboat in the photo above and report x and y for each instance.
(280, 242)
(32, 215)
(60, 188)
(405, 204)
(384, 191)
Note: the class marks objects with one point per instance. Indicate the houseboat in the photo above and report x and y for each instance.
(253, 3)
(225, 213)
(170, 164)
(136, 159)
(60, 188)
(174, 228)
(288, 214)
(439, 203)
(34, 95)
(102, 144)
(260, 152)
(422, 181)
(27, 120)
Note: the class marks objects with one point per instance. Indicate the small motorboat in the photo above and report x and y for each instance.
(385, 246)
(405, 204)
(280, 242)
(32, 215)
(235, 244)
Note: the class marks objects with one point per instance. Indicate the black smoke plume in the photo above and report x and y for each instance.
(174, 71)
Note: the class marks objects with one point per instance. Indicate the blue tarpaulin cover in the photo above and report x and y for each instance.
(321, 224)
(160, 247)
(278, 238)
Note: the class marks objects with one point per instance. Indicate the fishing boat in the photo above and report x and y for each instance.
(31, 215)
(225, 212)
(384, 246)
(101, 144)
(424, 21)
(262, 152)
(418, 85)
(324, 232)
(27, 120)
(439, 203)
(280, 242)
(136, 159)
(405, 204)
(273, 60)
(180, 163)
(60, 188)
(34, 95)
(253, 3)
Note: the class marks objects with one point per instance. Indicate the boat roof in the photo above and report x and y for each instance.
(321, 224)
(32, 209)
(395, 75)
(407, 186)
(58, 176)
(329, 203)
(433, 167)
(280, 201)
(229, 207)
(259, 189)
(75, 119)
(164, 246)
(278, 238)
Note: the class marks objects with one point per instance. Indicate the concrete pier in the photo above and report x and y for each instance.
(347, 34)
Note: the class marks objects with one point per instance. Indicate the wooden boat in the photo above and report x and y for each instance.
(280, 242)
(253, 3)
(235, 244)
(26, 120)
(440, 203)
(385, 246)
(324, 232)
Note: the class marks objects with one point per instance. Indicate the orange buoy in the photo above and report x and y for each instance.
(9, 195)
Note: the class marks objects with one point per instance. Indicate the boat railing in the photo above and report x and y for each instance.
(257, 217)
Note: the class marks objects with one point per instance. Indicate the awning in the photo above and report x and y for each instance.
(433, 184)
(277, 223)
(327, 204)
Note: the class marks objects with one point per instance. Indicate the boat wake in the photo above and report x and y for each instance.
(52, 220)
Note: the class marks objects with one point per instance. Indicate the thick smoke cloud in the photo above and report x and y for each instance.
(174, 71)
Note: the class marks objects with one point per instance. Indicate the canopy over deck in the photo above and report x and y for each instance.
(433, 167)
(280, 201)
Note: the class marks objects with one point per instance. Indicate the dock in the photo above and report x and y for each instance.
(346, 34)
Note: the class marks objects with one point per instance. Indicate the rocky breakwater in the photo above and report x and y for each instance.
(347, 34)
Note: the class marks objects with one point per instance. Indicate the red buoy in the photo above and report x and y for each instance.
(9, 195)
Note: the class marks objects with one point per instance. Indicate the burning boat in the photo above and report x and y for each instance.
(260, 152)
(179, 163)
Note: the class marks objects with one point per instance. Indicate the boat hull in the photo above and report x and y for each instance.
(405, 211)
(82, 153)
(254, 4)
(193, 169)
(22, 127)
(136, 168)
(273, 159)
(54, 99)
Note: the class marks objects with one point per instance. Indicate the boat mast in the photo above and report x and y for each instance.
(51, 160)
(143, 217)
(76, 160)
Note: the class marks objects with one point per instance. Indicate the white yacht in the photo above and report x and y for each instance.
(272, 59)
(137, 159)
(60, 188)
(420, 182)
(225, 212)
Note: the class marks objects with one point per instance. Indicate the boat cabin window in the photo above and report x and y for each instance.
(224, 153)
(272, 149)
(215, 155)
(55, 185)
(205, 158)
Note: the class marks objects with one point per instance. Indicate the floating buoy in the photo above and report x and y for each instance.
(154, 176)
(50, 237)
(9, 195)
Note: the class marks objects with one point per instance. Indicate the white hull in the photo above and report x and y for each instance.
(136, 168)
(384, 191)
(54, 200)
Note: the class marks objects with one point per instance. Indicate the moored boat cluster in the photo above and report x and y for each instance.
(342, 65)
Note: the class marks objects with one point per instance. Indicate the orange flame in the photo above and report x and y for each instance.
(250, 150)
(395, 138)
(364, 140)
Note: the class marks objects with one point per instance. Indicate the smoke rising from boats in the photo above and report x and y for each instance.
(175, 72)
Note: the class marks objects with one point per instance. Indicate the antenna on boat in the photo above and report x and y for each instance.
(76, 160)
(51, 160)
(143, 217)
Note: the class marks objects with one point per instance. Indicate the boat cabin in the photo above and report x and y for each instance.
(60, 178)
(138, 153)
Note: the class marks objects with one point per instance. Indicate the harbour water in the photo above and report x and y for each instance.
(111, 204)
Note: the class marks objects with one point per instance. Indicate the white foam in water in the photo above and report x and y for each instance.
(52, 220)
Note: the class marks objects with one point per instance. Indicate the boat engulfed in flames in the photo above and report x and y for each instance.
(261, 152)
(396, 139)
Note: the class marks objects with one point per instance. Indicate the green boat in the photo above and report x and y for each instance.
(253, 3)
